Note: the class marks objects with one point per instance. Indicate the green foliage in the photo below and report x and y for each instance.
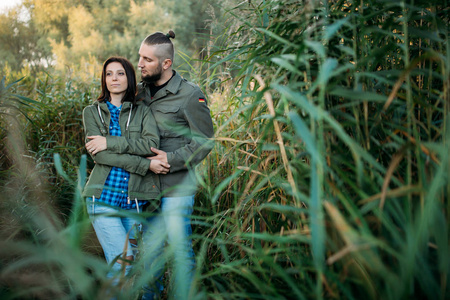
(332, 152)
(329, 178)
(57, 129)
(81, 35)
(40, 257)
(20, 44)
(50, 124)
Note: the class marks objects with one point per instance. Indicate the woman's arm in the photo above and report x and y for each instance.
(130, 163)
(149, 137)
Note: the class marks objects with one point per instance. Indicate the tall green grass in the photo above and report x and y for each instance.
(46, 248)
(329, 178)
(330, 174)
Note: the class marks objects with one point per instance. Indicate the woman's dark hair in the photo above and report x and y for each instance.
(166, 50)
(130, 93)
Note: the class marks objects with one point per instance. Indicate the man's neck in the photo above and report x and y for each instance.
(155, 88)
(167, 74)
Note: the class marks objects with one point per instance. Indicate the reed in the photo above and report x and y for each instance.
(329, 177)
(334, 153)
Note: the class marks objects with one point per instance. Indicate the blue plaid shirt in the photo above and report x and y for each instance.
(115, 190)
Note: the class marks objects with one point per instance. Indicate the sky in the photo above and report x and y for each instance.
(5, 4)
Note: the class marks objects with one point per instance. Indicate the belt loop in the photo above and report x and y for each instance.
(93, 204)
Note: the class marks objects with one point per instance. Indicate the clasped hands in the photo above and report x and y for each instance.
(158, 165)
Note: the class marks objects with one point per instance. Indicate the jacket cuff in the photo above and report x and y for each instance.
(143, 167)
(175, 165)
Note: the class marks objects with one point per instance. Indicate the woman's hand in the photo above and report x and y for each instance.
(96, 144)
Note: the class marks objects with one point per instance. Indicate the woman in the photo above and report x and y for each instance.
(119, 182)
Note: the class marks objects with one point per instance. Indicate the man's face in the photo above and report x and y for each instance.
(149, 64)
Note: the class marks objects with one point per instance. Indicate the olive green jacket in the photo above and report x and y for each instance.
(186, 131)
(140, 134)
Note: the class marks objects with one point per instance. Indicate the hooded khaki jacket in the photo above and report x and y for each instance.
(140, 132)
(185, 128)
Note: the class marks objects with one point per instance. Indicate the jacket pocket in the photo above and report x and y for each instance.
(167, 109)
(144, 187)
(169, 120)
(134, 131)
(166, 115)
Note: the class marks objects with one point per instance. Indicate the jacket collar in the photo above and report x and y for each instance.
(125, 106)
(174, 83)
(173, 86)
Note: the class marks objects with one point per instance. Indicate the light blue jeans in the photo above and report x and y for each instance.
(172, 224)
(112, 233)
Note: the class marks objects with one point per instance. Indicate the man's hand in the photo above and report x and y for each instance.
(160, 155)
(158, 167)
(96, 144)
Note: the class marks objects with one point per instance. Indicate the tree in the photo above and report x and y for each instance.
(77, 36)
(87, 32)
(20, 43)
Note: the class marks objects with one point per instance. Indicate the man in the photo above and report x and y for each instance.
(185, 126)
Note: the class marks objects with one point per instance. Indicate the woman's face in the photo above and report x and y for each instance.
(116, 78)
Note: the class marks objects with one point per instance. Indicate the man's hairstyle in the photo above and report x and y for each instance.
(165, 47)
(130, 93)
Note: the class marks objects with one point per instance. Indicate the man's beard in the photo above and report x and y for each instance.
(149, 79)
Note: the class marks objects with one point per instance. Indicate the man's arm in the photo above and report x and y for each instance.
(198, 117)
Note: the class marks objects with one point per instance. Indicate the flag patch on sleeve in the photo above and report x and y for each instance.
(201, 100)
